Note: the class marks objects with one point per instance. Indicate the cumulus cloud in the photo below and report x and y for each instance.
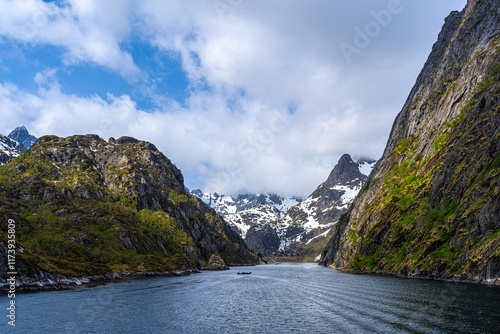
(273, 101)
(88, 30)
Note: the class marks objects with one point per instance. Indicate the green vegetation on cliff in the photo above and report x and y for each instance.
(432, 207)
(425, 223)
(86, 207)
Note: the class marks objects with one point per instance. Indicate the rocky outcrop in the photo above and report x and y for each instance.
(216, 263)
(100, 207)
(430, 207)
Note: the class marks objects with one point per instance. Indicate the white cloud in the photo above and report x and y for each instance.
(282, 105)
(89, 30)
(45, 77)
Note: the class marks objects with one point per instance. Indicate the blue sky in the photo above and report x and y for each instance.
(243, 96)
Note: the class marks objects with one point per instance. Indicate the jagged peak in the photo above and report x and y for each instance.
(20, 128)
(126, 140)
(21, 135)
(345, 170)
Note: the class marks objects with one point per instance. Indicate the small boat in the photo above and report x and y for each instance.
(244, 272)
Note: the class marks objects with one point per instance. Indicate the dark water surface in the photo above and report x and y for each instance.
(284, 298)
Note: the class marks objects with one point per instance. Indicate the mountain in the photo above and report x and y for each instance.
(16, 142)
(311, 220)
(248, 210)
(303, 231)
(83, 207)
(431, 206)
(21, 135)
(271, 224)
(9, 149)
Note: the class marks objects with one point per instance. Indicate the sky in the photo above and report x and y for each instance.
(243, 96)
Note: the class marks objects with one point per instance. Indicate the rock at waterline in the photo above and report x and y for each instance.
(217, 263)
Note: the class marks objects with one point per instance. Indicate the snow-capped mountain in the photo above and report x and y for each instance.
(261, 214)
(17, 141)
(21, 135)
(272, 224)
(311, 220)
(244, 211)
(9, 149)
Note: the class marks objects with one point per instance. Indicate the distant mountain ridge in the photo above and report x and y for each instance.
(16, 142)
(272, 224)
(247, 210)
(9, 149)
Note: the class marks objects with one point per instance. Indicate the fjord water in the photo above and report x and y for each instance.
(284, 298)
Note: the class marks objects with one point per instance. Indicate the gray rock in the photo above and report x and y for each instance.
(217, 263)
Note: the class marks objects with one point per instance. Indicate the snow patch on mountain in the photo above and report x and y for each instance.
(260, 215)
(247, 210)
(349, 193)
(322, 235)
(9, 149)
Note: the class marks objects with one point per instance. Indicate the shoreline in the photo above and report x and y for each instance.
(59, 282)
(49, 282)
(54, 282)
(443, 278)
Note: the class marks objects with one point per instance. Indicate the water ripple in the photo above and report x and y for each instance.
(289, 298)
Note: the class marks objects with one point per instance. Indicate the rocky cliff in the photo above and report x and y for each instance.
(84, 206)
(431, 207)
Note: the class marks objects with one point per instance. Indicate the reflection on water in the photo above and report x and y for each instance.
(289, 298)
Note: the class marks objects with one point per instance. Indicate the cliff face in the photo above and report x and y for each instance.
(431, 206)
(84, 206)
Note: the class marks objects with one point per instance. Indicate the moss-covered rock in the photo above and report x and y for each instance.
(216, 263)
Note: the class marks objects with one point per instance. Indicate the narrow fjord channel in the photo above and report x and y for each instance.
(284, 298)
